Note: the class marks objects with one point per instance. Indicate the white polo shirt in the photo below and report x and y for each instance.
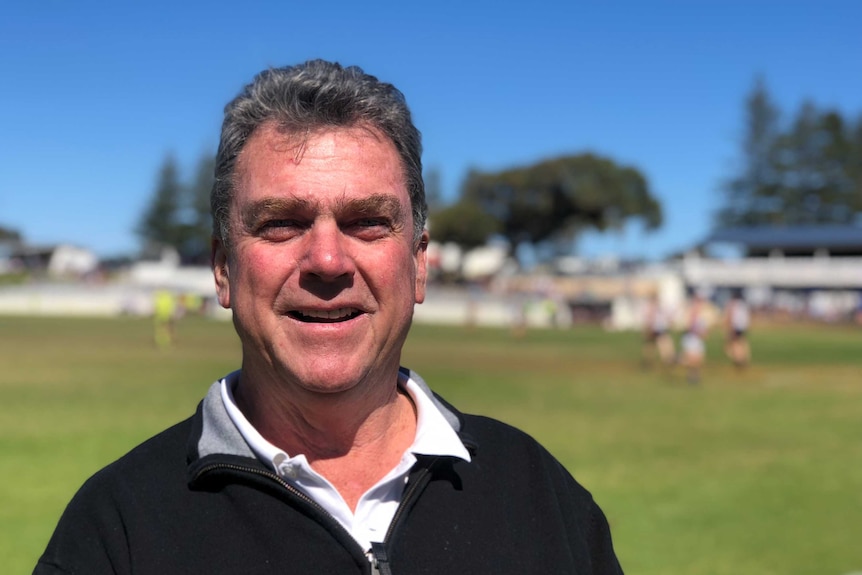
(377, 506)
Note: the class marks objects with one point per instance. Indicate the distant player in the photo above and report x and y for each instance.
(693, 346)
(657, 340)
(737, 319)
(164, 317)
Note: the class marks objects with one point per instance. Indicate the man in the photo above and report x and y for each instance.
(321, 454)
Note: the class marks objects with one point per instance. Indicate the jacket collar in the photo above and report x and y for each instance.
(218, 435)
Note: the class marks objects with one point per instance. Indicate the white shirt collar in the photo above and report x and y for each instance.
(434, 435)
(377, 506)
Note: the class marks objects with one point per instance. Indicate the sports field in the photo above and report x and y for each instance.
(749, 473)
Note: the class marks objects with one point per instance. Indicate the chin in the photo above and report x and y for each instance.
(331, 381)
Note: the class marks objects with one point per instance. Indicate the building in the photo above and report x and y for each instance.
(61, 260)
(804, 270)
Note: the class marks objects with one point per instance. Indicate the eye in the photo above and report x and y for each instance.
(372, 222)
(279, 229)
(370, 228)
(278, 224)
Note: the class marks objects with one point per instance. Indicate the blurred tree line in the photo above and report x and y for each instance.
(806, 171)
(9, 235)
(553, 200)
(550, 202)
(801, 172)
(178, 214)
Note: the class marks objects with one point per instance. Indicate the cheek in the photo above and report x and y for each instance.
(258, 272)
(395, 267)
(386, 273)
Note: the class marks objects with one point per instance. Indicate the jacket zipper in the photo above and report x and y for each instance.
(380, 555)
(290, 489)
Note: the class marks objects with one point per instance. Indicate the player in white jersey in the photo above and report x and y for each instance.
(737, 319)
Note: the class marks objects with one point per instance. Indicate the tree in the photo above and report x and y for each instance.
(196, 244)
(464, 223)
(433, 189)
(555, 200)
(806, 173)
(751, 197)
(855, 170)
(10, 235)
(179, 215)
(160, 223)
(815, 158)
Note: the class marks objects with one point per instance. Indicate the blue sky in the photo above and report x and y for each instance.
(94, 95)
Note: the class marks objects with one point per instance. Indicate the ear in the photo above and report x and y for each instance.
(421, 267)
(219, 264)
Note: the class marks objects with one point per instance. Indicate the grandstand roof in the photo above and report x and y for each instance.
(791, 238)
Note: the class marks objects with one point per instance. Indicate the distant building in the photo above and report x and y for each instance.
(451, 261)
(7, 263)
(59, 260)
(163, 271)
(806, 270)
(793, 241)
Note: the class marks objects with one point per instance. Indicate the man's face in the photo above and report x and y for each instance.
(322, 271)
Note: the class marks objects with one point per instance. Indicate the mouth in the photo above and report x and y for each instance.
(325, 316)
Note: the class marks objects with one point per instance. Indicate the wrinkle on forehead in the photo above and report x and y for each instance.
(295, 138)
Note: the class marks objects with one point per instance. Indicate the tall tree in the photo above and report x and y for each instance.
(160, 224)
(433, 189)
(751, 197)
(555, 200)
(9, 235)
(805, 173)
(198, 221)
(179, 214)
(815, 169)
(856, 163)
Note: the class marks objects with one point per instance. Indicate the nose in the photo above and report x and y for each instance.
(326, 256)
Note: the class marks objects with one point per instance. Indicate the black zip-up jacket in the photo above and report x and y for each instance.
(194, 499)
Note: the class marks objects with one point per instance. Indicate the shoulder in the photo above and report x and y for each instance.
(518, 458)
(513, 470)
(161, 459)
(493, 442)
(167, 447)
(91, 535)
(492, 433)
(487, 434)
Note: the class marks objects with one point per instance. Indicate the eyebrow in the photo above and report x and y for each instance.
(375, 204)
(254, 212)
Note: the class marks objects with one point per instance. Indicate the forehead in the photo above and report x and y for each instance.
(348, 159)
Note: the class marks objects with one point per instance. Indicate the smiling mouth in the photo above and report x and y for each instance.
(325, 316)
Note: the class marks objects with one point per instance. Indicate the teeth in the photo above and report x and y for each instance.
(331, 314)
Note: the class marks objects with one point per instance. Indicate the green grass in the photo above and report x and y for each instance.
(757, 472)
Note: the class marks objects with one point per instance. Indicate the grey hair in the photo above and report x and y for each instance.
(312, 96)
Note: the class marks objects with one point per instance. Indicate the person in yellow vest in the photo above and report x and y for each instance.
(164, 316)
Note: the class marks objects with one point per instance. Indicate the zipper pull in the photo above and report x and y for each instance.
(379, 559)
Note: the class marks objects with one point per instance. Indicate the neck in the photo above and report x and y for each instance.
(352, 441)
